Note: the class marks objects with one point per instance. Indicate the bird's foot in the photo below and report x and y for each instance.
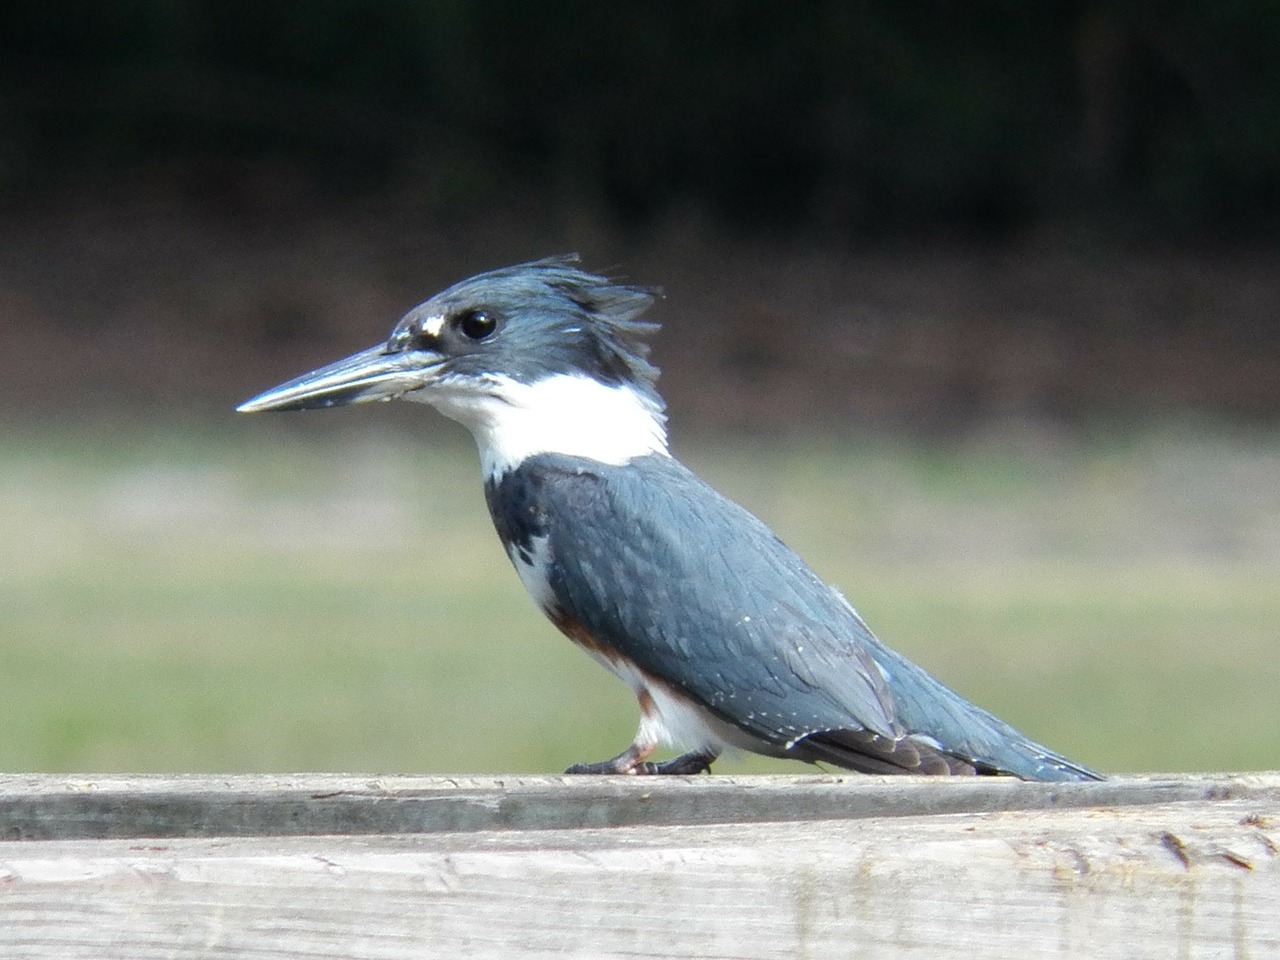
(625, 762)
(631, 761)
(687, 764)
(603, 767)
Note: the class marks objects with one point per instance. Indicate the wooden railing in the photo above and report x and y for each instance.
(698, 867)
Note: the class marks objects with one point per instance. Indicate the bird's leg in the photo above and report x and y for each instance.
(631, 761)
(696, 761)
(628, 761)
(635, 759)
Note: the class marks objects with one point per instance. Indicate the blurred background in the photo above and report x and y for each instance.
(977, 305)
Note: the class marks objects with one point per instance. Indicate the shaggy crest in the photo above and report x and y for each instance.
(571, 321)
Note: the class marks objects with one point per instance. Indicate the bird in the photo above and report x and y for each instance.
(727, 638)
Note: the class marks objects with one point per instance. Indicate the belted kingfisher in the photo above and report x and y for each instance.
(727, 638)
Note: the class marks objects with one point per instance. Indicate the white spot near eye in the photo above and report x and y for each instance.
(431, 326)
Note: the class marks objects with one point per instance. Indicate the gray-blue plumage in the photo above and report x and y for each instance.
(727, 637)
(700, 593)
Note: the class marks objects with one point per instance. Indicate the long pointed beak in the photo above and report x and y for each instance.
(372, 374)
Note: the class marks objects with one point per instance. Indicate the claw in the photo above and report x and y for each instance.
(625, 762)
(631, 762)
(687, 764)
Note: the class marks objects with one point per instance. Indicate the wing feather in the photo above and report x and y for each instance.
(697, 592)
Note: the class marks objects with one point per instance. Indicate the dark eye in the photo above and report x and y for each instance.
(476, 324)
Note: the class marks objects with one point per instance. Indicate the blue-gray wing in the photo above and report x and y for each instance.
(696, 591)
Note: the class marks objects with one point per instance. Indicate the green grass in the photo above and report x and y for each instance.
(276, 595)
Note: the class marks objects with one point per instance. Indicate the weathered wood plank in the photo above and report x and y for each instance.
(1189, 879)
(51, 807)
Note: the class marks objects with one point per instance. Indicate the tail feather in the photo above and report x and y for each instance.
(868, 752)
(930, 711)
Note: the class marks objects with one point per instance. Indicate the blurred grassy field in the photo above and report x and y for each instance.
(326, 593)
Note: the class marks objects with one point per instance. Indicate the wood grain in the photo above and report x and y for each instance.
(703, 867)
(62, 807)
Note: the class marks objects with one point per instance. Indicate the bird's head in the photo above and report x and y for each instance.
(541, 357)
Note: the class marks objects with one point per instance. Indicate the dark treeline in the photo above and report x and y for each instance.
(849, 120)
